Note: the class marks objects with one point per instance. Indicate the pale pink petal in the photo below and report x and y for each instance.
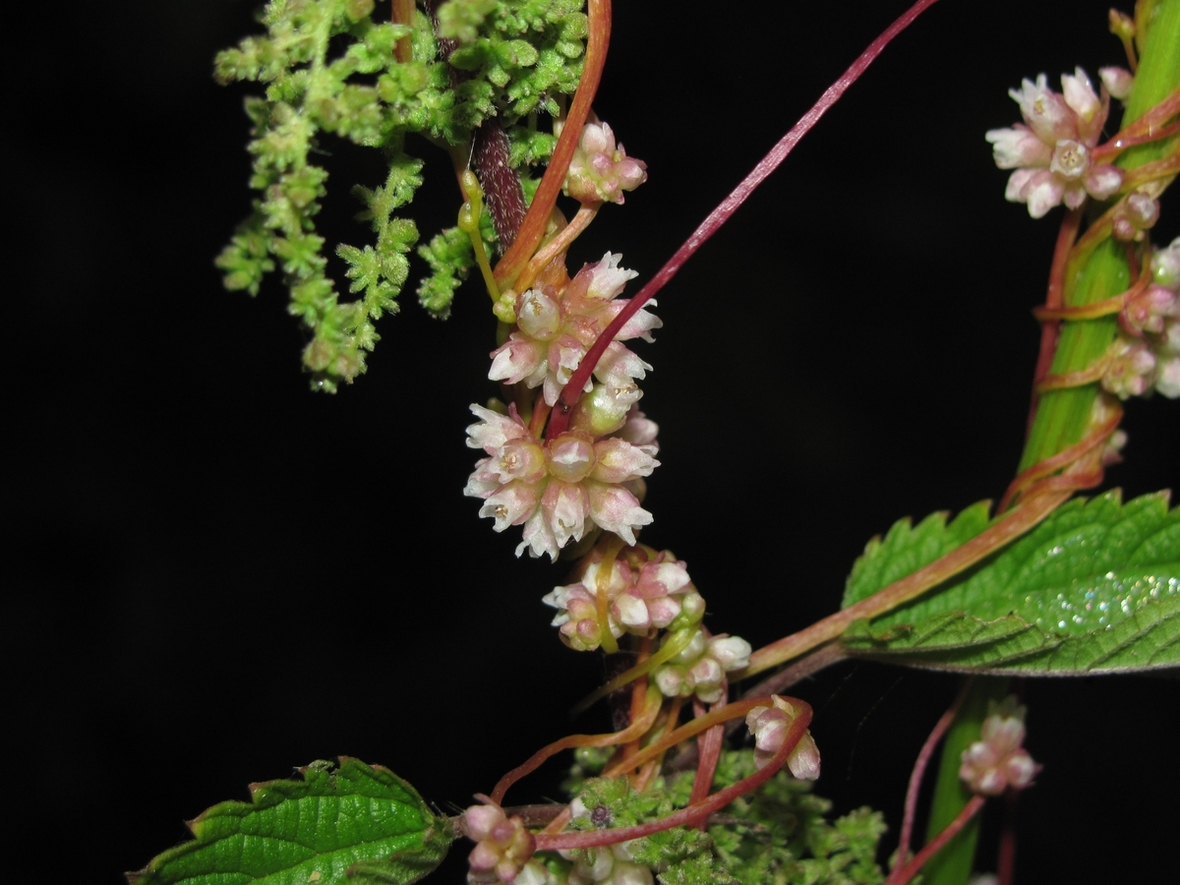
(631, 611)
(494, 429)
(538, 538)
(616, 510)
(804, 759)
(565, 507)
(1103, 181)
(571, 458)
(538, 315)
(518, 359)
(1018, 184)
(1016, 147)
(511, 505)
(1043, 192)
(618, 461)
(1118, 81)
(1079, 94)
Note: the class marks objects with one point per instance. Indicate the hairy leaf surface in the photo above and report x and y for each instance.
(1094, 588)
(353, 823)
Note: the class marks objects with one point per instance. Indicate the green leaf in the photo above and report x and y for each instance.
(1095, 588)
(906, 549)
(354, 823)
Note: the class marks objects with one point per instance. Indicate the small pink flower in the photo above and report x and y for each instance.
(601, 170)
(503, 846)
(1130, 369)
(1134, 214)
(1117, 81)
(555, 329)
(557, 490)
(701, 667)
(769, 727)
(638, 599)
(998, 761)
(1051, 152)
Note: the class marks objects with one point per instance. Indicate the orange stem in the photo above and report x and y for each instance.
(1007, 528)
(403, 14)
(537, 218)
(693, 813)
(637, 728)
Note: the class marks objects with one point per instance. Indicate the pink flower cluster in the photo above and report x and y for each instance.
(701, 667)
(652, 595)
(769, 727)
(503, 848)
(558, 490)
(1146, 355)
(601, 170)
(555, 329)
(1052, 150)
(997, 761)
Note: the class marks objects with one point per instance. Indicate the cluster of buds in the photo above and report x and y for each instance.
(1051, 152)
(609, 865)
(640, 594)
(700, 668)
(998, 761)
(591, 475)
(1136, 213)
(559, 489)
(1146, 354)
(554, 330)
(769, 726)
(503, 848)
(601, 170)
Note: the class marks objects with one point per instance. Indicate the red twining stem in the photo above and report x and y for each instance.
(1054, 298)
(694, 812)
(1038, 478)
(638, 728)
(724, 211)
(708, 752)
(911, 796)
(903, 875)
(1149, 127)
(537, 218)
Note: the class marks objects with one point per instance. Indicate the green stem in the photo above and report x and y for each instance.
(1063, 416)
(952, 865)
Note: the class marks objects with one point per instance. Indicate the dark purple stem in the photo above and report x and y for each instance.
(572, 391)
(501, 184)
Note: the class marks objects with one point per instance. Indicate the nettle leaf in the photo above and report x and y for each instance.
(354, 823)
(1095, 588)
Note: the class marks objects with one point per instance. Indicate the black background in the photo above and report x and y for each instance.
(217, 575)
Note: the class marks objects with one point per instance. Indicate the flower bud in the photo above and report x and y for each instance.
(769, 726)
(997, 761)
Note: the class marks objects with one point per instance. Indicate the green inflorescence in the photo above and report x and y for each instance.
(330, 68)
(780, 833)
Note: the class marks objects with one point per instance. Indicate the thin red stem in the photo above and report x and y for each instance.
(911, 796)
(637, 728)
(1054, 299)
(1034, 507)
(708, 753)
(694, 812)
(903, 875)
(725, 211)
(537, 218)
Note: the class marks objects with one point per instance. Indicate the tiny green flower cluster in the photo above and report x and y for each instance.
(779, 833)
(330, 68)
